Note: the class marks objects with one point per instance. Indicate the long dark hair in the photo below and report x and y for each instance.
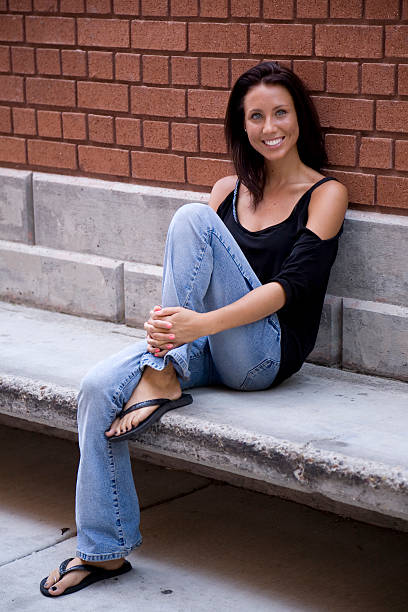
(249, 164)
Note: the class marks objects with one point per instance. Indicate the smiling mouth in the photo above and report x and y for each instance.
(275, 142)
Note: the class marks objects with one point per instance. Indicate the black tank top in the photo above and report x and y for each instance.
(294, 256)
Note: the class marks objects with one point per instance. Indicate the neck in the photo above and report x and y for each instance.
(284, 170)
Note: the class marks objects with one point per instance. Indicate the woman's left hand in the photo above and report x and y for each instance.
(172, 326)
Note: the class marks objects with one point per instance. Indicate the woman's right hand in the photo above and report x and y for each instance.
(158, 335)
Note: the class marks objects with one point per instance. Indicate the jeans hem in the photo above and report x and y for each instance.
(108, 556)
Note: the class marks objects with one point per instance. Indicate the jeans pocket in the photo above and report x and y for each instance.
(261, 376)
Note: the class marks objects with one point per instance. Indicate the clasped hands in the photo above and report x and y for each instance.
(170, 327)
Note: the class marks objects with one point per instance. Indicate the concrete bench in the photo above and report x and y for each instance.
(330, 439)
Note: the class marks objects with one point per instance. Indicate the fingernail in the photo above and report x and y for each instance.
(157, 308)
(53, 589)
(169, 325)
(169, 346)
(171, 336)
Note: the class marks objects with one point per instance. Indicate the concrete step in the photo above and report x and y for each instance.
(327, 438)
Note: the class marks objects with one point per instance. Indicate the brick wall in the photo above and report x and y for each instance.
(136, 90)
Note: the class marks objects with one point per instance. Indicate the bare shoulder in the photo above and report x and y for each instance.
(328, 205)
(221, 189)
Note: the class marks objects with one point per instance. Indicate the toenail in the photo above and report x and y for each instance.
(53, 588)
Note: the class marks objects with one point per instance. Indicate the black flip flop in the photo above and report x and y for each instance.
(97, 573)
(164, 405)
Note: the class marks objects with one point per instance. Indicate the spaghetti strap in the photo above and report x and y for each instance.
(323, 180)
(234, 200)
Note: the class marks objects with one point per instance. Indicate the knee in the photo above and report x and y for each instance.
(95, 387)
(193, 215)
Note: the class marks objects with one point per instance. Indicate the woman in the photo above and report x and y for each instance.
(243, 289)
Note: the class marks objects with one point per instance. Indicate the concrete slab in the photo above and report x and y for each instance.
(37, 490)
(142, 290)
(323, 435)
(232, 550)
(328, 348)
(84, 285)
(16, 206)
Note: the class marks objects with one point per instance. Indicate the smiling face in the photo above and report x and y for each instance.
(271, 121)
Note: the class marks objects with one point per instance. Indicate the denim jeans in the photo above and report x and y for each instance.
(204, 269)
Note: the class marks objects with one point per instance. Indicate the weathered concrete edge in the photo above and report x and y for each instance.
(299, 468)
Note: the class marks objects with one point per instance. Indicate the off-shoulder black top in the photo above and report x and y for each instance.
(291, 254)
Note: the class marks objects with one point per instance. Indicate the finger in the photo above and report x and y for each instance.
(162, 337)
(167, 311)
(159, 344)
(159, 323)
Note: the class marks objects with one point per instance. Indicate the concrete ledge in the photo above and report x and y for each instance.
(375, 338)
(328, 347)
(16, 206)
(69, 282)
(325, 437)
(105, 218)
(142, 290)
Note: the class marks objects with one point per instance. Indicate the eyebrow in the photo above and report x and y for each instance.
(251, 110)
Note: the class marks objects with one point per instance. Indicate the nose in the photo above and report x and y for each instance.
(269, 126)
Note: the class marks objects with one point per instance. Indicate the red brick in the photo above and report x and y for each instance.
(311, 72)
(158, 166)
(201, 171)
(381, 9)
(160, 101)
(207, 103)
(403, 79)
(46, 6)
(49, 124)
(20, 5)
(73, 62)
(245, 8)
(72, 6)
(103, 32)
(126, 7)
(24, 121)
(52, 92)
(103, 160)
(212, 139)
(11, 28)
(184, 70)
(169, 35)
(100, 64)
(282, 62)
(311, 9)
(346, 113)
(156, 134)
(5, 59)
(239, 66)
(278, 9)
(392, 116)
(22, 59)
(50, 30)
(98, 6)
(346, 9)
(392, 191)
(103, 96)
(396, 41)
(128, 131)
(127, 67)
(376, 153)
(184, 137)
(48, 61)
(52, 154)
(100, 128)
(360, 186)
(11, 88)
(378, 78)
(281, 39)
(3, 5)
(74, 126)
(155, 69)
(218, 37)
(214, 71)
(184, 8)
(214, 8)
(5, 119)
(341, 149)
(150, 8)
(342, 77)
(349, 41)
(401, 154)
(12, 150)
(405, 9)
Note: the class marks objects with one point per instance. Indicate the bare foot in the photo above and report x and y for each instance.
(153, 384)
(57, 587)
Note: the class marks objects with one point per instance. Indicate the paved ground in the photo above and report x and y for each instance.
(206, 546)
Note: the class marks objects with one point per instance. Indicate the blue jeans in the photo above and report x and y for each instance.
(204, 269)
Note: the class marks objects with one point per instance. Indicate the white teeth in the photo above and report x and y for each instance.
(273, 142)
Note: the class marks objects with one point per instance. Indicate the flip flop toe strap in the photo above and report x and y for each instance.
(63, 569)
(140, 405)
